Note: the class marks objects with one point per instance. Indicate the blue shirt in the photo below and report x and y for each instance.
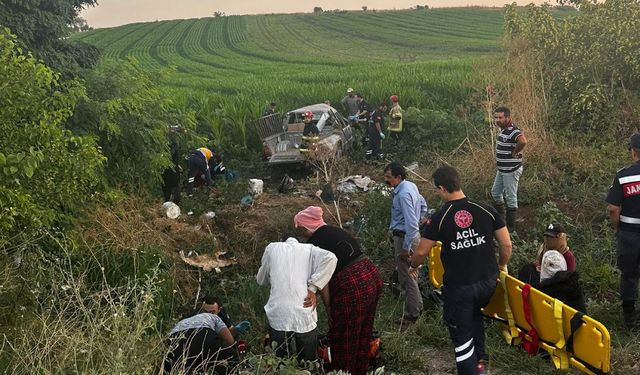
(407, 209)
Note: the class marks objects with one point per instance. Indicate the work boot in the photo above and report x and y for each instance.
(500, 208)
(630, 315)
(511, 219)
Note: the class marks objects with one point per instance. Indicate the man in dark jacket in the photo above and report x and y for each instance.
(559, 283)
(171, 176)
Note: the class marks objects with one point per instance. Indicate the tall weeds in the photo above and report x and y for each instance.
(75, 325)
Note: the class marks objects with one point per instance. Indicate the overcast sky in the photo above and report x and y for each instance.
(119, 12)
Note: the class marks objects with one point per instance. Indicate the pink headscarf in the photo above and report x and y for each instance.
(309, 218)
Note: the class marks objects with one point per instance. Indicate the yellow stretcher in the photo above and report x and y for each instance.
(570, 338)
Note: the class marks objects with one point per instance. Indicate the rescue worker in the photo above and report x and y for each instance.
(364, 109)
(509, 146)
(271, 110)
(310, 133)
(171, 176)
(376, 132)
(350, 104)
(395, 121)
(624, 212)
(406, 211)
(466, 230)
(198, 163)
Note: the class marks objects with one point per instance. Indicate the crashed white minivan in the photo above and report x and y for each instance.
(282, 134)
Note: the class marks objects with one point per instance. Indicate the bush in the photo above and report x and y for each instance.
(46, 173)
(586, 64)
(125, 109)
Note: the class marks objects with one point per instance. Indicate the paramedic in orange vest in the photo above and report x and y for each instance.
(198, 163)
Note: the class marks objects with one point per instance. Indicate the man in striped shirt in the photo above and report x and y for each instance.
(509, 146)
(624, 212)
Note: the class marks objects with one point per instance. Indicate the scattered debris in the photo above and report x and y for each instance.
(171, 210)
(353, 184)
(209, 262)
(255, 186)
(247, 200)
(286, 185)
(412, 167)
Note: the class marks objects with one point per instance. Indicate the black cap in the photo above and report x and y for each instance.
(554, 229)
(634, 142)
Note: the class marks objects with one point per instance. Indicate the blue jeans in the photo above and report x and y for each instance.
(505, 188)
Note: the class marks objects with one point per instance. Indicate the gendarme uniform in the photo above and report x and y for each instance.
(466, 230)
(625, 193)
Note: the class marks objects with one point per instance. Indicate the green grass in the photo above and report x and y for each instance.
(299, 58)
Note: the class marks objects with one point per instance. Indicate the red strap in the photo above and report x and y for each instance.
(530, 347)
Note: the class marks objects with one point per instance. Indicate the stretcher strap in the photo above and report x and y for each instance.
(576, 322)
(512, 333)
(531, 346)
(557, 315)
(559, 356)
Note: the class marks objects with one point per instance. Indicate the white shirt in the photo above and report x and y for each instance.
(292, 269)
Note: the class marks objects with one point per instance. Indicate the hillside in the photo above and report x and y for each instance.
(287, 52)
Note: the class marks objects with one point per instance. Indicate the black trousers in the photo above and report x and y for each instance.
(463, 316)
(628, 249)
(197, 165)
(375, 145)
(306, 344)
(198, 350)
(171, 186)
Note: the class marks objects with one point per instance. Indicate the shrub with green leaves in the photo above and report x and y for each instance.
(587, 65)
(128, 113)
(46, 172)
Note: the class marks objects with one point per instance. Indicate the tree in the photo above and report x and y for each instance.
(317, 10)
(79, 25)
(587, 66)
(42, 28)
(46, 172)
(129, 114)
(218, 14)
(364, 8)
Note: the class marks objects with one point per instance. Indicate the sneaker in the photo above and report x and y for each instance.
(482, 368)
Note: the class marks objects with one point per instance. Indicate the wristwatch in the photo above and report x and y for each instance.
(412, 268)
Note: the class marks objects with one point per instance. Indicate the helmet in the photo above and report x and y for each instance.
(394, 98)
(308, 114)
(206, 152)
